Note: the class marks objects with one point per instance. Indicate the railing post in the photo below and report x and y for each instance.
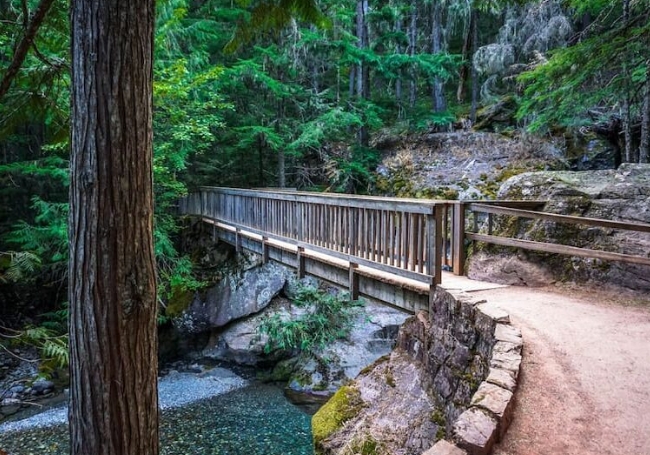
(301, 262)
(459, 238)
(238, 246)
(265, 250)
(437, 238)
(354, 281)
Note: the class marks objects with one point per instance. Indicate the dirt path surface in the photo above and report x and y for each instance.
(585, 382)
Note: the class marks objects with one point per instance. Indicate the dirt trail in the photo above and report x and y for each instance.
(585, 384)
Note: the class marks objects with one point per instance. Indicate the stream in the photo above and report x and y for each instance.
(253, 420)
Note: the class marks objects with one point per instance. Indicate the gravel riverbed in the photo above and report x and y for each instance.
(215, 412)
(174, 390)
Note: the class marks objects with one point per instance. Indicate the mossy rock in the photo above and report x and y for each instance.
(178, 302)
(343, 406)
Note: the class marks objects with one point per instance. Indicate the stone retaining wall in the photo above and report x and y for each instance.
(458, 324)
(447, 388)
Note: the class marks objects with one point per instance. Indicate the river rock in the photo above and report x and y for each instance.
(619, 195)
(236, 296)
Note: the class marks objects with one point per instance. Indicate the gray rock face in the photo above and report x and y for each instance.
(234, 297)
(396, 412)
(620, 195)
(458, 165)
(372, 337)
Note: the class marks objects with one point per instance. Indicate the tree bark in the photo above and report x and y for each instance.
(112, 278)
(412, 38)
(437, 92)
(644, 147)
(398, 81)
(473, 72)
(25, 43)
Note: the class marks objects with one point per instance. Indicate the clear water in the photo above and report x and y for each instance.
(255, 420)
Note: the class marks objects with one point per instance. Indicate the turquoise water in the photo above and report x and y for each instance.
(255, 420)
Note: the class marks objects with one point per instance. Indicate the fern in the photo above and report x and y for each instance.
(328, 317)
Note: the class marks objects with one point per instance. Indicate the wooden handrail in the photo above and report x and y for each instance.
(626, 225)
(397, 236)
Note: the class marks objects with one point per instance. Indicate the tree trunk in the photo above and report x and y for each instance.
(412, 38)
(398, 81)
(466, 62)
(437, 92)
(363, 71)
(112, 279)
(644, 147)
(626, 114)
(473, 72)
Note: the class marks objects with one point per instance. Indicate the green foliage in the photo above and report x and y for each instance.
(575, 83)
(46, 240)
(328, 317)
(17, 266)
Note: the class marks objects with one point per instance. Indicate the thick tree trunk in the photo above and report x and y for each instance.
(112, 279)
(437, 89)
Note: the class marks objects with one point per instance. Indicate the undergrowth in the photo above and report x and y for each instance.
(328, 317)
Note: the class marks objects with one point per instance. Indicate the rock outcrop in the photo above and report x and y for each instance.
(452, 376)
(620, 195)
(459, 165)
(235, 296)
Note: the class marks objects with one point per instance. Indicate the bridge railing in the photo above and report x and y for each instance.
(402, 237)
(526, 210)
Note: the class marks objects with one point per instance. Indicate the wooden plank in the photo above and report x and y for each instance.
(626, 225)
(342, 200)
(559, 249)
(419, 249)
(437, 257)
(458, 238)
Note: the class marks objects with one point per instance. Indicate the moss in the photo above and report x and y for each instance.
(367, 447)
(440, 434)
(178, 302)
(372, 366)
(438, 418)
(390, 380)
(343, 406)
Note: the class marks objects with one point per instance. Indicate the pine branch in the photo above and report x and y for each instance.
(24, 45)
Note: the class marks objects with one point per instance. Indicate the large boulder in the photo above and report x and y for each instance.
(620, 195)
(235, 296)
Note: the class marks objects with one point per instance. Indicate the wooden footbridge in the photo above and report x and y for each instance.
(392, 250)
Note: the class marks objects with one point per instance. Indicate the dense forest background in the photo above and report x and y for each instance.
(303, 106)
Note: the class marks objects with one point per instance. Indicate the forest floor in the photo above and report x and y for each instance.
(585, 383)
